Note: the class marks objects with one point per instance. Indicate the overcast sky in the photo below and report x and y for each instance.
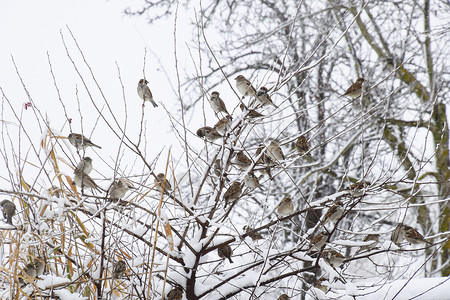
(106, 35)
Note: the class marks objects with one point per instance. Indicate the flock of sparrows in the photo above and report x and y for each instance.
(267, 157)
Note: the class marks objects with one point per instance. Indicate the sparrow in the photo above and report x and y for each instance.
(286, 207)
(264, 159)
(274, 151)
(175, 294)
(354, 91)
(223, 124)
(251, 180)
(398, 235)
(218, 168)
(144, 92)
(225, 251)
(119, 269)
(319, 240)
(233, 192)
(217, 103)
(412, 236)
(118, 188)
(83, 180)
(208, 133)
(302, 145)
(254, 235)
(9, 209)
(159, 182)
(284, 297)
(242, 161)
(85, 165)
(266, 171)
(251, 113)
(81, 142)
(374, 238)
(245, 87)
(334, 212)
(333, 258)
(33, 270)
(264, 98)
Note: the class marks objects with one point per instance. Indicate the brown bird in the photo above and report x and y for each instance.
(333, 258)
(244, 86)
(286, 207)
(233, 192)
(251, 180)
(412, 236)
(144, 92)
(175, 294)
(264, 159)
(242, 161)
(223, 124)
(334, 212)
(80, 141)
(373, 238)
(274, 151)
(217, 103)
(119, 269)
(83, 181)
(85, 165)
(159, 182)
(354, 91)
(251, 113)
(319, 240)
(302, 145)
(254, 235)
(284, 297)
(119, 188)
(398, 235)
(208, 133)
(33, 270)
(225, 251)
(9, 209)
(264, 97)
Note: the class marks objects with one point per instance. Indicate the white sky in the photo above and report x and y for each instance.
(30, 29)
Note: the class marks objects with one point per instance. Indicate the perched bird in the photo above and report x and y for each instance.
(217, 103)
(334, 212)
(208, 133)
(218, 169)
(81, 142)
(223, 124)
(83, 180)
(144, 92)
(33, 270)
(398, 235)
(251, 180)
(233, 192)
(9, 209)
(286, 207)
(118, 188)
(264, 159)
(266, 171)
(251, 113)
(319, 240)
(412, 236)
(254, 235)
(354, 91)
(333, 258)
(225, 251)
(242, 161)
(302, 145)
(284, 297)
(274, 151)
(175, 294)
(264, 97)
(119, 269)
(373, 238)
(159, 182)
(245, 87)
(85, 165)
